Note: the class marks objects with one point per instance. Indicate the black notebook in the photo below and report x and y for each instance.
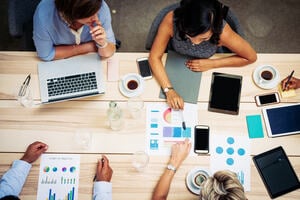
(276, 172)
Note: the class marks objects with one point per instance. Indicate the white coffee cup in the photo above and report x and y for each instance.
(198, 178)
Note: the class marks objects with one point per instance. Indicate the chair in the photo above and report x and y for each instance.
(155, 24)
(20, 21)
(230, 18)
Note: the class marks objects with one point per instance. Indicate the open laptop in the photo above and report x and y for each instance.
(66, 79)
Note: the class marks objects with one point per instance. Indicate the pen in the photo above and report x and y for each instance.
(288, 80)
(182, 118)
(95, 177)
(24, 86)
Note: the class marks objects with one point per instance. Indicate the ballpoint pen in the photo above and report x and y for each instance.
(24, 86)
(182, 118)
(288, 80)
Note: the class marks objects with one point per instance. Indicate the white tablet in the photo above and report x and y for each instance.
(282, 120)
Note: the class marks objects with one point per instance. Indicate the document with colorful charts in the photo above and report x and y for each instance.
(164, 126)
(59, 177)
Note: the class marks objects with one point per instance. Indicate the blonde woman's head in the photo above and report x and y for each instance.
(223, 185)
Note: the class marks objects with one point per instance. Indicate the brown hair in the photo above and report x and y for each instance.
(72, 10)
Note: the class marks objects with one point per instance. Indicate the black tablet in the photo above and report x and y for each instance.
(225, 92)
(276, 172)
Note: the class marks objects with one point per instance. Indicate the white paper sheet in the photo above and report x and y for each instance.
(59, 177)
(229, 152)
(164, 126)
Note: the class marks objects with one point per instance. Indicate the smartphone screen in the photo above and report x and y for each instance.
(201, 139)
(144, 68)
(265, 99)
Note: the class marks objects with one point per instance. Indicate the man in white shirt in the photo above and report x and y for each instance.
(11, 183)
(102, 184)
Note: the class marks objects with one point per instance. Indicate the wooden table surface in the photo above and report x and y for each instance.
(55, 124)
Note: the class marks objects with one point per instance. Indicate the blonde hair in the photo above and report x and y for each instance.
(223, 185)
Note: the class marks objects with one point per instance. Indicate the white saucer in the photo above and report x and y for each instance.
(266, 84)
(132, 93)
(189, 182)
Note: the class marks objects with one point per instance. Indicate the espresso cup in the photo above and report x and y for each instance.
(267, 75)
(198, 178)
(131, 84)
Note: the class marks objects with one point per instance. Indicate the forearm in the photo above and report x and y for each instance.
(163, 186)
(66, 51)
(108, 50)
(13, 180)
(230, 61)
(159, 71)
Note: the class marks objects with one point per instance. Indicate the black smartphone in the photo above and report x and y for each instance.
(144, 67)
(201, 144)
(267, 99)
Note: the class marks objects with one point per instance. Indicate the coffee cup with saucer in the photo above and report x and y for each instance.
(266, 77)
(131, 85)
(195, 178)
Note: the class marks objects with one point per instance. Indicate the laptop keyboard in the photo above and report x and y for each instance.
(71, 84)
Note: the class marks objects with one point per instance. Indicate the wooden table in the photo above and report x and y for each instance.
(55, 124)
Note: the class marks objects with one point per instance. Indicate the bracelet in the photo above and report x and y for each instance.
(102, 46)
(171, 167)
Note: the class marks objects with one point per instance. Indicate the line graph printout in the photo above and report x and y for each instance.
(59, 177)
(164, 126)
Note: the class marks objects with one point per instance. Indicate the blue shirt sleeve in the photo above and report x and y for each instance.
(102, 190)
(105, 18)
(13, 180)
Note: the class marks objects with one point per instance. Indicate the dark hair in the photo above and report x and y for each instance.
(77, 9)
(194, 17)
(10, 197)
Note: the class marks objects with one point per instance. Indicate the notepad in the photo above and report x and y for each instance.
(254, 126)
(287, 93)
(185, 82)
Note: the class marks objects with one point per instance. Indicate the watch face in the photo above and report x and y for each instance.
(166, 90)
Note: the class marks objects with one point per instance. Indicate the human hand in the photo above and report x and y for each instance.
(34, 151)
(179, 153)
(174, 100)
(104, 171)
(293, 84)
(98, 33)
(199, 65)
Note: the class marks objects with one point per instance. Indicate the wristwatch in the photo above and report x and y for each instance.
(171, 167)
(167, 89)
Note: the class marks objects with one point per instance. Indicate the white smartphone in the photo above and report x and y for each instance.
(267, 99)
(144, 67)
(201, 140)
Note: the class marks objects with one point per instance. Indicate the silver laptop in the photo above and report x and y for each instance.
(75, 77)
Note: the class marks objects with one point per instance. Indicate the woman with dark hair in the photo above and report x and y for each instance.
(66, 28)
(197, 28)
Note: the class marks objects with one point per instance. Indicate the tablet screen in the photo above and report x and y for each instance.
(276, 172)
(282, 120)
(225, 93)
